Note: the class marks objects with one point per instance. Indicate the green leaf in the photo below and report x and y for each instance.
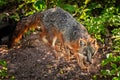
(104, 72)
(115, 78)
(39, 5)
(106, 61)
(113, 65)
(69, 7)
(113, 72)
(3, 63)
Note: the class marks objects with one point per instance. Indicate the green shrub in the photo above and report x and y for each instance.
(3, 2)
(3, 71)
(97, 23)
(116, 42)
(113, 69)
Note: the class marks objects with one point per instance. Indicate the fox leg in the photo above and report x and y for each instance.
(75, 47)
(58, 37)
(43, 36)
(80, 59)
(44, 39)
(64, 47)
(67, 52)
(54, 41)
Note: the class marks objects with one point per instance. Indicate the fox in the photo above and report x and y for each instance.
(62, 26)
(57, 24)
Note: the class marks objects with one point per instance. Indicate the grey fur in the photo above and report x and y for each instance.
(65, 23)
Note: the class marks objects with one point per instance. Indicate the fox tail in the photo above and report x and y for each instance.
(27, 23)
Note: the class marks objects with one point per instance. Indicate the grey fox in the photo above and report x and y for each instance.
(58, 25)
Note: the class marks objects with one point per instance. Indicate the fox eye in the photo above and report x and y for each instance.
(82, 43)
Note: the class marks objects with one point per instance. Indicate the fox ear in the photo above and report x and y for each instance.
(94, 44)
(93, 41)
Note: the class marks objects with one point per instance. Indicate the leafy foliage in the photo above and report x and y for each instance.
(97, 23)
(114, 68)
(3, 2)
(116, 36)
(3, 71)
(28, 7)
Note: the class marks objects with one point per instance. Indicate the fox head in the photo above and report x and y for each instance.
(88, 48)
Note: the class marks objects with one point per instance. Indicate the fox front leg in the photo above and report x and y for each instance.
(80, 60)
(54, 41)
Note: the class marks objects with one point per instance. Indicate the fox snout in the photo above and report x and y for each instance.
(88, 51)
(88, 48)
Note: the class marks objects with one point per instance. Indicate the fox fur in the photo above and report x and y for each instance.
(57, 24)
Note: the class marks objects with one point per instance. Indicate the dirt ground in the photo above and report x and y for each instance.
(35, 60)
